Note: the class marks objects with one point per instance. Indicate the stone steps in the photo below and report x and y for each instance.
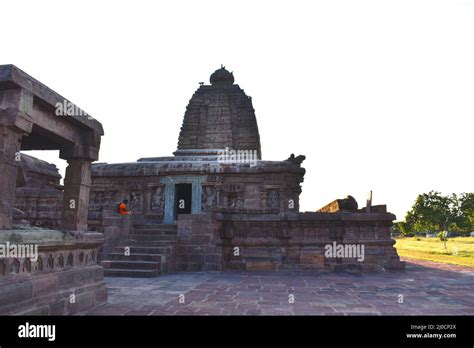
(146, 249)
(159, 227)
(254, 262)
(154, 227)
(151, 237)
(152, 252)
(133, 273)
(130, 264)
(150, 243)
(136, 257)
(163, 232)
(139, 243)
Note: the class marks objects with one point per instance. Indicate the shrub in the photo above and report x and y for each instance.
(442, 236)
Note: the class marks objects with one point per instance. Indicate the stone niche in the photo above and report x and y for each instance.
(61, 276)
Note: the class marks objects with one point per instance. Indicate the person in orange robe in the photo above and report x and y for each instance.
(122, 208)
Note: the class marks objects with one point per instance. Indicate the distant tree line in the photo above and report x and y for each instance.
(433, 212)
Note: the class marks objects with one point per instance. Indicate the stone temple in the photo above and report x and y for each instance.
(217, 205)
(214, 205)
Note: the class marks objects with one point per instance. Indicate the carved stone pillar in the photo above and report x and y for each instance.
(10, 141)
(15, 108)
(77, 184)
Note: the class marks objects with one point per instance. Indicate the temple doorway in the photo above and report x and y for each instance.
(183, 199)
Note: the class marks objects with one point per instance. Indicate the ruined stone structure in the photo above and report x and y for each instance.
(66, 260)
(39, 195)
(216, 205)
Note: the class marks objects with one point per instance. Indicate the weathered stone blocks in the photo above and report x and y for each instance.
(65, 266)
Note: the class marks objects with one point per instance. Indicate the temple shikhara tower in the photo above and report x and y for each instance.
(217, 205)
(219, 115)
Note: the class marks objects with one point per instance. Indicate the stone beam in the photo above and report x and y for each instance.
(13, 77)
(85, 152)
(59, 125)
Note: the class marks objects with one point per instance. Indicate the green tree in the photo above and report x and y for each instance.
(432, 212)
(407, 227)
(466, 211)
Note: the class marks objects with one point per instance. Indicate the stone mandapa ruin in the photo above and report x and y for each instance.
(63, 277)
(214, 205)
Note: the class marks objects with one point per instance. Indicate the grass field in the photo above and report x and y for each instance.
(458, 251)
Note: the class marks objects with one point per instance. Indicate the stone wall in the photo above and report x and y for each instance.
(273, 187)
(198, 243)
(291, 241)
(65, 278)
(273, 192)
(298, 243)
(40, 207)
(144, 193)
(247, 219)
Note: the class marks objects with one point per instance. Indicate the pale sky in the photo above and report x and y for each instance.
(379, 95)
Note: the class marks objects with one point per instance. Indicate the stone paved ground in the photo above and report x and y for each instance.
(428, 289)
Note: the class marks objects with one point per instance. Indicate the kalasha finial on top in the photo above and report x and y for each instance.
(222, 77)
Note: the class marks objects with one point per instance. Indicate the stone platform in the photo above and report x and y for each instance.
(62, 278)
(427, 288)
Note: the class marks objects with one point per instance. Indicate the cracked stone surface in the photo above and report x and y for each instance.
(427, 288)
